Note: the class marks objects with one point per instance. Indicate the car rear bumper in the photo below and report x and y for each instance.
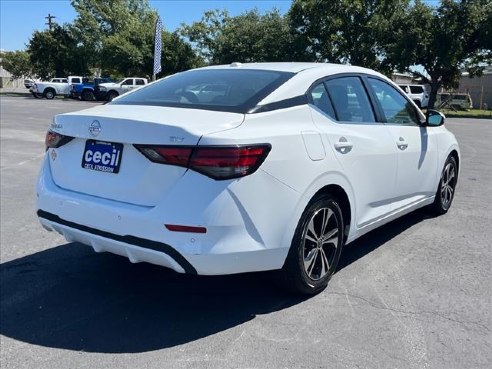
(238, 238)
(134, 248)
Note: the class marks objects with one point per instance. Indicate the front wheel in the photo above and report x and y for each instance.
(88, 95)
(49, 94)
(447, 186)
(316, 247)
(112, 95)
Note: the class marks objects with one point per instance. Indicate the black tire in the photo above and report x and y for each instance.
(112, 95)
(447, 186)
(417, 102)
(49, 93)
(298, 274)
(88, 95)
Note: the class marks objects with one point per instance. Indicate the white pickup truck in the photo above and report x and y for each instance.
(56, 86)
(112, 90)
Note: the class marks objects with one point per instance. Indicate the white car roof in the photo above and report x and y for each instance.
(293, 67)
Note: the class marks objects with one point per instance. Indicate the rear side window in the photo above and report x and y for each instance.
(396, 108)
(140, 82)
(404, 88)
(349, 99)
(416, 89)
(234, 90)
(76, 80)
(320, 98)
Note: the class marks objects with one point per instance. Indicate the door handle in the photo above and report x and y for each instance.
(343, 146)
(402, 144)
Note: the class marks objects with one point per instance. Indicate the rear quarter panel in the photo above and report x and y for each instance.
(289, 162)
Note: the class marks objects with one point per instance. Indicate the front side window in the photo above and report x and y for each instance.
(127, 82)
(395, 107)
(349, 99)
(233, 90)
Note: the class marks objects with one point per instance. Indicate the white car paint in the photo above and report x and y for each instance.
(250, 221)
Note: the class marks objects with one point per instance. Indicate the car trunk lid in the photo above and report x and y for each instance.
(115, 129)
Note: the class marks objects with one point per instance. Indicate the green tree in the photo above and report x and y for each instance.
(57, 53)
(249, 37)
(177, 54)
(130, 51)
(118, 37)
(102, 24)
(204, 34)
(443, 40)
(17, 63)
(345, 31)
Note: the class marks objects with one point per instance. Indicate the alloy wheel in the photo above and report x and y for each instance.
(321, 238)
(448, 184)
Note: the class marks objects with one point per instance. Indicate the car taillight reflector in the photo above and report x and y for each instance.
(217, 162)
(182, 228)
(55, 139)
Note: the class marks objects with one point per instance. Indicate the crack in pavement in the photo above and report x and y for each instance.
(401, 311)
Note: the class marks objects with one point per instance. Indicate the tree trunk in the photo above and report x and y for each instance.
(433, 93)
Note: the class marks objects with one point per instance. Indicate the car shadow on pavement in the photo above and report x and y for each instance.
(72, 298)
(372, 240)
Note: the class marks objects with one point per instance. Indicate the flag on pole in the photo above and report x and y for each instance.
(158, 46)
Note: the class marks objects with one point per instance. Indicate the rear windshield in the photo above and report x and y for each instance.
(233, 90)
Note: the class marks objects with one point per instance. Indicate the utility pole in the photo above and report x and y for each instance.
(50, 23)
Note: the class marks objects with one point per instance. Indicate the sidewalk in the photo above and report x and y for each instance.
(14, 91)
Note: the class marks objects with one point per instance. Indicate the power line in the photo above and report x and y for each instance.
(50, 22)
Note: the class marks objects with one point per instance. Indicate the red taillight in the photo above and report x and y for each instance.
(55, 139)
(173, 155)
(217, 162)
(228, 162)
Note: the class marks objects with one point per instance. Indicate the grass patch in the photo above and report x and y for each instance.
(472, 113)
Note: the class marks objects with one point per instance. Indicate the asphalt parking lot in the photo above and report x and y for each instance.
(416, 293)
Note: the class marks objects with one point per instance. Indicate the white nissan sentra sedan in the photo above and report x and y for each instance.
(245, 167)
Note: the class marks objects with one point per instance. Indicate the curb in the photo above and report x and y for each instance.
(20, 94)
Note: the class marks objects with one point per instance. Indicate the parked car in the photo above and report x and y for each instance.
(417, 93)
(87, 89)
(56, 86)
(109, 91)
(462, 101)
(290, 162)
(28, 83)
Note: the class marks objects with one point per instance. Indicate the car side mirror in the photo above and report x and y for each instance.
(434, 118)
